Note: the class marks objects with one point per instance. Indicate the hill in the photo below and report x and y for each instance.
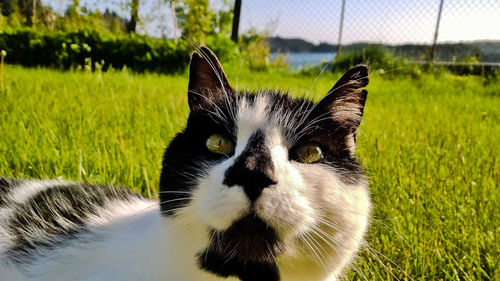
(483, 51)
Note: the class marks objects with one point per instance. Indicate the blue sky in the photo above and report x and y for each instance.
(386, 21)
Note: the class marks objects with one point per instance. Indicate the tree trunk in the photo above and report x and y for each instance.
(174, 20)
(134, 15)
(236, 20)
(33, 20)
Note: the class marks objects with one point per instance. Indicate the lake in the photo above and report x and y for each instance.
(299, 60)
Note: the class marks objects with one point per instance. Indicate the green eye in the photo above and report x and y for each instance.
(219, 144)
(309, 153)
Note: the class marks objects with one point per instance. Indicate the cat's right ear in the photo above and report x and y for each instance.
(207, 80)
(346, 100)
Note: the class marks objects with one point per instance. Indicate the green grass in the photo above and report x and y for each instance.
(430, 146)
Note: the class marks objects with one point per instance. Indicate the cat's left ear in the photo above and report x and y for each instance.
(346, 100)
(207, 80)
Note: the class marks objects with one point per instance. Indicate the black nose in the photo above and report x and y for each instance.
(253, 169)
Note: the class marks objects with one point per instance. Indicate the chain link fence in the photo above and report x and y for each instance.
(411, 27)
(442, 31)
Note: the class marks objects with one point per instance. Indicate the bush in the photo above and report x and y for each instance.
(71, 49)
(223, 47)
(376, 56)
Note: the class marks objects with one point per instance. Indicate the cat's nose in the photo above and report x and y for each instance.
(253, 169)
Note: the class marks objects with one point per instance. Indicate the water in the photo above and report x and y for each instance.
(299, 60)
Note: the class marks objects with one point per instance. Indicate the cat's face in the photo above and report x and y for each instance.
(271, 178)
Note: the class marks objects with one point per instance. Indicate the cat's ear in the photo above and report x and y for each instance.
(207, 80)
(346, 100)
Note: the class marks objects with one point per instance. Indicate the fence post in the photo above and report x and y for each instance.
(433, 49)
(236, 20)
(341, 27)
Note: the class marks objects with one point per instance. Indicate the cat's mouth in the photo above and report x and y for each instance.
(248, 239)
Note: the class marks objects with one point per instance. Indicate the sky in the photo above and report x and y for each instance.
(383, 21)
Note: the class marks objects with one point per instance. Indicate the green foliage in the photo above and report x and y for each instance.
(255, 49)
(69, 49)
(378, 57)
(223, 47)
(197, 20)
(19, 13)
(381, 59)
(429, 145)
(222, 20)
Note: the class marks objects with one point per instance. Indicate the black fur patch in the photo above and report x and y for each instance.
(214, 105)
(56, 215)
(253, 169)
(5, 186)
(247, 249)
(187, 156)
(249, 239)
(223, 266)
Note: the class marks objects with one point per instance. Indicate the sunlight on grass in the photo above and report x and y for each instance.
(429, 145)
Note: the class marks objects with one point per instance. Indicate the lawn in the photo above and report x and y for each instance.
(430, 145)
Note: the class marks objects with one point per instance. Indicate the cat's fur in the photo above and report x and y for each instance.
(254, 214)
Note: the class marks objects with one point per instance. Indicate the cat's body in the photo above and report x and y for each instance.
(111, 234)
(257, 187)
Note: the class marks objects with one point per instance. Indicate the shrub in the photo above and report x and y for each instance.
(378, 57)
(71, 49)
(223, 47)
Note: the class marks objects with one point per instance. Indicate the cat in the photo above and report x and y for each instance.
(257, 186)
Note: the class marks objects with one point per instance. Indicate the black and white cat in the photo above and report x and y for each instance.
(258, 186)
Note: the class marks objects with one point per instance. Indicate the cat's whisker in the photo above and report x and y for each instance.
(391, 261)
(193, 178)
(320, 233)
(387, 270)
(331, 241)
(219, 113)
(309, 250)
(231, 253)
(198, 209)
(300, 243)
(330, 223)
(175, 191)
(149, 207)
(335, 89)
(272, 254)
(176, 199)
(317, 77)
(239, 70)
(360, 258)
(172, 210)
(315, 250)
(309, 126)
(375, 252)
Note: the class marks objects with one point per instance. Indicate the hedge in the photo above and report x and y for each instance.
(70, 49)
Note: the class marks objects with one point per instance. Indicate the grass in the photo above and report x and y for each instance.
(430, 145)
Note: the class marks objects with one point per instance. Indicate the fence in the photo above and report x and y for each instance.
(424, 30)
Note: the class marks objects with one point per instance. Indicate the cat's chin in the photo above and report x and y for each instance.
(247, 249)
(249, 239)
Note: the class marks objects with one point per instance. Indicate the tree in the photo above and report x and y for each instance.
(24, 8)
(134, 15)
(197, 21)
(222, 19)
(175, 23)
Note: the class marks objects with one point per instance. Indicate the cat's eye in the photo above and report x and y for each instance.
(308, 153)
(219, 144)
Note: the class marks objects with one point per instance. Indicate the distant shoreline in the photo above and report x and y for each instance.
(483, 51)
(299, 60)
